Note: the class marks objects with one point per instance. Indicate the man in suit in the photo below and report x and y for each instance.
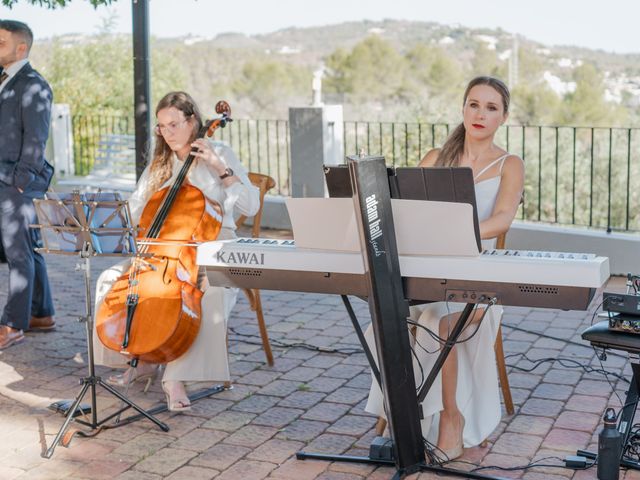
(25, 110)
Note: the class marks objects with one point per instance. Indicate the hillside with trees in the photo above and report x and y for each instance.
(390, 70)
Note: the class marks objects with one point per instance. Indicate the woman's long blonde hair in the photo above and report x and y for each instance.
(160, 170)
(453, 148)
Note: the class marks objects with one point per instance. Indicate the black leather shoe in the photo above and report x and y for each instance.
(41, 324)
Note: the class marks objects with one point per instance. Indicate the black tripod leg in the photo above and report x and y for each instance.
(67, 421)
(163, 426)
(163, 408)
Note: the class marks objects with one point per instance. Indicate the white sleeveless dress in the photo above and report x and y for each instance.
(477, 392)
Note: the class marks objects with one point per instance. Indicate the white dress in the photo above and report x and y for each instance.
(477, 393)
(206, 359)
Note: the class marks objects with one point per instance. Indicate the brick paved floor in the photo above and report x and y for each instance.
(310, 399)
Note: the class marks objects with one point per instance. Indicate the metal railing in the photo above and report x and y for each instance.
(88, 130)
(585, 176)
(261, 145)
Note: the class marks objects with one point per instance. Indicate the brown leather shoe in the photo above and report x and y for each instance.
(9, 336)
(41, 324)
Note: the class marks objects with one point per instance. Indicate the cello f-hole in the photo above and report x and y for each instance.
(166, 278)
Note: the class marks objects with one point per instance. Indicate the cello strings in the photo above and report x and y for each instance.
(156, 224)
(167, 202)
(162, 212)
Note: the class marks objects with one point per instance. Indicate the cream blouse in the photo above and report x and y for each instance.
(242, 196)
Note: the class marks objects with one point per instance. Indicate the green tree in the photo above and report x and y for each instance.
(96, 76)
(430, 66)
(586, 105)
(486, 62)
(533, 103)
(269, 84)
(435, 84)
(372, 71)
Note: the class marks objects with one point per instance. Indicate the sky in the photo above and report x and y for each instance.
(610, 25)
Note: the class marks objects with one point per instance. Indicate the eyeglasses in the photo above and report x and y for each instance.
(169, 128)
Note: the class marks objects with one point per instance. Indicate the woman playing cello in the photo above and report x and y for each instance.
(222, 179)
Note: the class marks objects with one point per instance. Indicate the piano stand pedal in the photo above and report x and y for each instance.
(381, 448)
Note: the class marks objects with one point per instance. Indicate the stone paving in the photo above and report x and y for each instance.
(311, 399)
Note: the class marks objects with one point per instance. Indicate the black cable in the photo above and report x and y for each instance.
(528, 466)
(280, 344)
(433, 454)
(595, 311)
(444, 341)
(632, 447)
(565, 362)
(606, 376)
(544, 335)
(422, 377)
(420, 344)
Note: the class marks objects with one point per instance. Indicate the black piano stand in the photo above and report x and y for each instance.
(453, 338)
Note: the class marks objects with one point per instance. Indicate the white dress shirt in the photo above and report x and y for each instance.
(12, 69)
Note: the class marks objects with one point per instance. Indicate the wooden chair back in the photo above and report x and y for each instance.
(264, 183)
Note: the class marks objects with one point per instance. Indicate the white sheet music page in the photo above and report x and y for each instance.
(422, 227)
(426, 227)
(324, 223)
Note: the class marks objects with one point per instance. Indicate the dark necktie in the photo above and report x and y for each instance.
(3, 77)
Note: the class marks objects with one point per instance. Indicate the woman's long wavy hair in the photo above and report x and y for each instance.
(453, 148)
(160, 170)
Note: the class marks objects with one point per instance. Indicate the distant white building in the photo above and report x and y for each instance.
(557, 85)
(505, 55)
(192, 40)
(489, 40)
(376, 30)
(617, 86)
(569, 63)
(287, 50)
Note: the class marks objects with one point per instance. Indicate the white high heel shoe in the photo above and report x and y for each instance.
(176, 403)
(144, 371)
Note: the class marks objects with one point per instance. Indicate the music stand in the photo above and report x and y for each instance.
(88, 225)
(442, 184)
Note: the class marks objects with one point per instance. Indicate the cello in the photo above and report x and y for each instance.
(152, 312)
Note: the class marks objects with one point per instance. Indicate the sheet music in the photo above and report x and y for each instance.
(422, 227)
(324, 223)
(426, 227)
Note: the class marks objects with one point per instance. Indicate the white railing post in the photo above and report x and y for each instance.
(59, 150)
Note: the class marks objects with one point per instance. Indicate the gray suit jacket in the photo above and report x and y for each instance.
(25, 112)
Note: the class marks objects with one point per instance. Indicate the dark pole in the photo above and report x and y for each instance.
(141, 79)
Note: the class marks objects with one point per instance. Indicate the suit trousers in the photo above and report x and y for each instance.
(29, 291)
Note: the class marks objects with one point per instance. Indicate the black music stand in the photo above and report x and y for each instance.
(88, 225)
(440, 184)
